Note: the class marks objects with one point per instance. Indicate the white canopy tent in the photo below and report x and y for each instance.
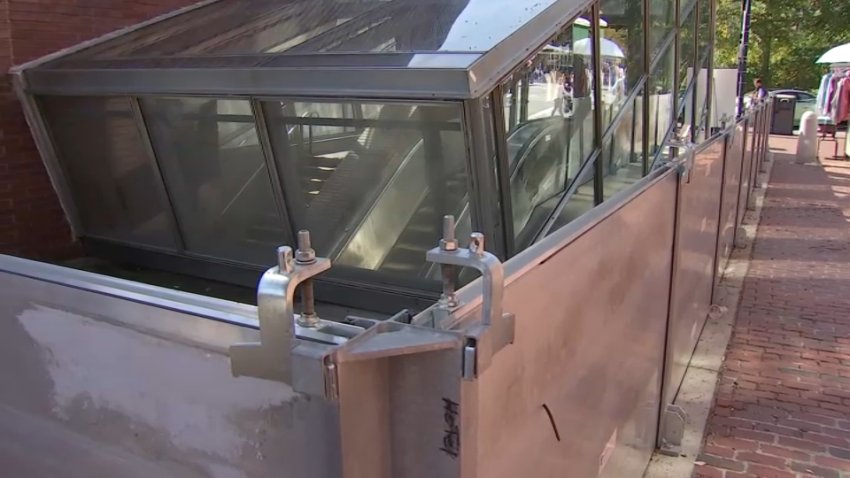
(839, 54)
(609, 48)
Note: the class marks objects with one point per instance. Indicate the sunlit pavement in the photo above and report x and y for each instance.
(782, 407)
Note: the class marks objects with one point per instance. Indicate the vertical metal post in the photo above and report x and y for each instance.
(503, 172)
(671, 291)
(743, 150)
(49, 153)
(264, 137)
(709, 89)
(677, 55)
(598, 178)
(483, 185)
(696, 61)
(721, 194)
(514, 110)
(162, 187)
(284, 158)
(524, 92)
(746, 10)
(647, 86)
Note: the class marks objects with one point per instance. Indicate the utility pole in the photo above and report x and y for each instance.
(746, 11)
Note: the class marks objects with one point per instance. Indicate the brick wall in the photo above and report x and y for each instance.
(32, 223)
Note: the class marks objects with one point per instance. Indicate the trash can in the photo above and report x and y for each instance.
(783, 114)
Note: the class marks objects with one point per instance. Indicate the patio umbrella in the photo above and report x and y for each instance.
(839, 54)
(609, 48)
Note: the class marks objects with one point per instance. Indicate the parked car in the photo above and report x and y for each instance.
(806, 101)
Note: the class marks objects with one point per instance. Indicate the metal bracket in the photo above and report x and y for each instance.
(496, 329)
(672, 430)
(272, 357)
(684, 161)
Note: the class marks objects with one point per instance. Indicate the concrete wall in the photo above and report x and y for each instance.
(31, 221)
(93, 385)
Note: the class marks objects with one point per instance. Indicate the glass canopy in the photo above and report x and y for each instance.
(273, 27)
(371, 48)
(225, 128)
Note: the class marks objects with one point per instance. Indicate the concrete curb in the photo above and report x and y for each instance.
(696, 395)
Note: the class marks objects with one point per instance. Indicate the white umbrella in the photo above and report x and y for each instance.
(609, 48)
(839, 54)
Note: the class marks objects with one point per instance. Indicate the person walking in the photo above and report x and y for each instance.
(760, 93)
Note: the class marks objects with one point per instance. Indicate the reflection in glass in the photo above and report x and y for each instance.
(580, 202)
(661, 22)
(113, 181)
(550, 127)
(687, 60)
(216, 174)
(685, 7)
(234, 27)
(701, 119)
(622, 154)
(623, 69)
(660, 91)
(372, 180)
(704, 27)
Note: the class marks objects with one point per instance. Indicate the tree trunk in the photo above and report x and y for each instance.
(767, 40)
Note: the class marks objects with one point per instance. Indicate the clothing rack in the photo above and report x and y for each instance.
(828, 102)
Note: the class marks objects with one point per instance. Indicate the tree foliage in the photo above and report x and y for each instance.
(786, 38)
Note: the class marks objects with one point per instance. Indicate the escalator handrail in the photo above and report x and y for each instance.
(523, 152)
(343, 244)
(463, 209)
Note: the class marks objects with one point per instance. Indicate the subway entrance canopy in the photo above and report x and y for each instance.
(575, 138)
(200, 141)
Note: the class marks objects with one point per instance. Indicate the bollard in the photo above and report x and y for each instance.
(807, 145)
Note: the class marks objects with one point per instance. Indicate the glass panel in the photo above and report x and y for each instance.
(700, 119)
(113, 180)
(216, 174)
(372, 180)
(687, 60)
(549, 115)
(232, 27)
(685, 7)
(662, 152)
(622, 38)
(622, 155)
(661, 22)
(580, 202)
(704, 27)
(661, 100)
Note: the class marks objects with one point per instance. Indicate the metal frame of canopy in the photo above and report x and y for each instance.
(417, 75)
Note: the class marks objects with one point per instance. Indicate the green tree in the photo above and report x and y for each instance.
(786, 38)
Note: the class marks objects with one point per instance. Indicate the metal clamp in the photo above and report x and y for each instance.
(683, 163)
(271, 358)
(496, 329)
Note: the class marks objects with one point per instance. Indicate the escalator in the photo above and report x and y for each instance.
(399, 217)
(407, 256)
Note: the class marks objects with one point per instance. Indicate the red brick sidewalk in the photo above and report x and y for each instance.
(783, 402)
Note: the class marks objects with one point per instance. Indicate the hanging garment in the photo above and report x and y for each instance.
(843, 110)
(822, 94)
(830, 95)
